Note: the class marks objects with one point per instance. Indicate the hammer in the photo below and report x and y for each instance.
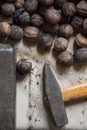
(74, 92)
(56, 95)
(7, 87)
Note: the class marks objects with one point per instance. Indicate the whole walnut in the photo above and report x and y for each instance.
(50, 14)
(21, 17)
(16, 33)
(80, 40)
(19, 4)
(85, 26)
(7, 9)
(5, 29)
(69, 9)
(59, 3)
(82, 7)
(45, 41)
(24, 66)
(65, 58)
(9, 20)
(46, 2)
(80, 55)
(66, 30)
(31, 33)
(77, 22)
(37, 20)
(48, 28)
(60, 44)
(31, 5)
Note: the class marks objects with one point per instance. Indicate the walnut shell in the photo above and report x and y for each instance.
(5, 29)
(19, 4)
(85, 26)
(24, 66)
(46, 2)
(64, 19)
(16, 33)
(60, 44)
(21, 17)
(66, 30)
(31, 5)
(48, 28)
(77, 22)
(82, 8)
(45, 41)
(37, 20)
(80, 40)
(80, 55)
(59, 3)
(9, 20)
(31, 33)
(50, 14)
(69, 9)
(65, 58)
(7, 9)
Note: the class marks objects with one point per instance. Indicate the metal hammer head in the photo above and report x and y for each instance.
(54, 97)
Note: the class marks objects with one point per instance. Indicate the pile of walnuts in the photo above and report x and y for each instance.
(46, 22)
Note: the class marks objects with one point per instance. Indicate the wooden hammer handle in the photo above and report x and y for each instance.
(74, 92)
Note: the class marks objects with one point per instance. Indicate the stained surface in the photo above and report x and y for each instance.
(7, 88)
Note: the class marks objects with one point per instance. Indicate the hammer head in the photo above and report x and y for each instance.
(54, 97)
(7, 88)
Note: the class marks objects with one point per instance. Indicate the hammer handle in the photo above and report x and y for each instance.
(74, 92)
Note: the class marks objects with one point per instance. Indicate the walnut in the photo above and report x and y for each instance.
(5, 29)
(66, 30)
(31, 33)
(7, 9)
(16, 33)
(69, 9)
(23, 66)
(65, 58)
(60, 44)
(21, 17)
